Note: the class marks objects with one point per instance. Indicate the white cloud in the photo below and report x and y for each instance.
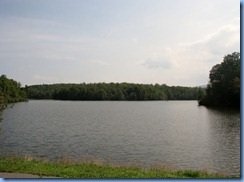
(211, 47)
(224, 41)
(192, 61)
(135, 40)
(197, 58)
(44, 79)
(99, 62)
(158, 61)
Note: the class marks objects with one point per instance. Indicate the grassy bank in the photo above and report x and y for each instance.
(93, 170)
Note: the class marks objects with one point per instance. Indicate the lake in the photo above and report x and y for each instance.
(178, 134)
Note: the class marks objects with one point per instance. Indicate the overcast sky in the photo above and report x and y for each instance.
(173, 42)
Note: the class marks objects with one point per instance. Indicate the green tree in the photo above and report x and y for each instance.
(224, 83)
(200, 93)
(10, 91)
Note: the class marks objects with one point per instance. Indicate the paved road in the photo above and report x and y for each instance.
(20, 175)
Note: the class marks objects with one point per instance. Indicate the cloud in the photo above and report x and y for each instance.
(99, 62)
(208, 51)
(18, 29)
(197, 58)
(44, 79)
(40, 79)
(134, 40)
(224, 41)
(58, 47)
(191, 61)
(157, 62)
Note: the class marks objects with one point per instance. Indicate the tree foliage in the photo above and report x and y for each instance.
(111, 91)
(10, 91)
(224, 83)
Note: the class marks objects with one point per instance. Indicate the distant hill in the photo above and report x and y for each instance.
(203, 86)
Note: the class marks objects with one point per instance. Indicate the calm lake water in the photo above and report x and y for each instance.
(178, 134)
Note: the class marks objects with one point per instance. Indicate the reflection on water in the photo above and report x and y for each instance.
(225, 132)
(177, 133)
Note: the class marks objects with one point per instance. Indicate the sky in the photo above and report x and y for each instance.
(173, 42)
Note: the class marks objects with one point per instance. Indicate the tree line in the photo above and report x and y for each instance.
(224, 83)
(223, 89)
(10, 92)
(112, 91)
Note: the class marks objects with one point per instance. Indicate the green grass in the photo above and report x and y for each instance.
(91, 169)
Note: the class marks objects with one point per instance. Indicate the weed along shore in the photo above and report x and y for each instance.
(90, 169)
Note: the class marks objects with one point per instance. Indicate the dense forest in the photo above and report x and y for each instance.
(112, 91)
(10, 92)
(224, 83)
